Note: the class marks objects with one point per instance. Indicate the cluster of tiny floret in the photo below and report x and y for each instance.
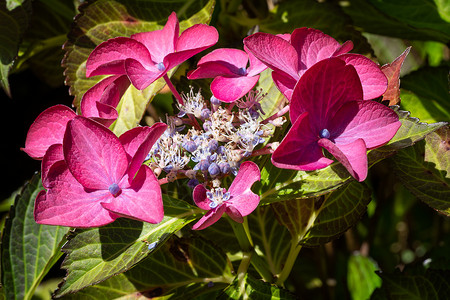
(212, 145)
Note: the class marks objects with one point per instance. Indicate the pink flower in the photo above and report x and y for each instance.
(238, 202)
(228, 67)
(147, 56)
(100, 178)
(326, 112)
(290, 57)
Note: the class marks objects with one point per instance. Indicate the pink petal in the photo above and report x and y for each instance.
(371, 121)
(142, 77)
(324, 88)
(200, 198)
(235, 214)
(312, 46)
(352, 156)
(108, 93)
(210, 218)
(193, 40)
(66, 202)
(141, 201)
(138, 142)
(160, 42)
(93, 153)
(211, 70)
(229, 89)
(53, 155)
(299, 150)
(240, 188)
(275, 52)
(344, 48)
(256, 66)
(231, 57)
(285, 84)
(47, 129)
(373, 80)
(108, 57)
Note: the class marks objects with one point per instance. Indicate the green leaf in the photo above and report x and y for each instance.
(255, 289)
(271, 239)
(425, 169)
(12, 27)
(361, 277)
(29, 250)
(414, 20)
(325, 16)
(341, 210)
(182, 268)
(433, 284)
(96, 254)
(274, 100)
(101, 20)
(430, 85)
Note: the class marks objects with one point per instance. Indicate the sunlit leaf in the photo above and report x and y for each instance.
(274, 100)
(425, 169)
(29, 250)
(186, 267)
(96, 254)
(361, 277)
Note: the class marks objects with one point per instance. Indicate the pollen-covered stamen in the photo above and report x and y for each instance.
(160, 66)
(324, 133)
(114, 189)
(217, 196)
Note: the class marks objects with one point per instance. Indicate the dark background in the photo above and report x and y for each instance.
(30, 96)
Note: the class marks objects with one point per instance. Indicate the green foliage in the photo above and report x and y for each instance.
(96, 254)
(29, 250)
(361, 277)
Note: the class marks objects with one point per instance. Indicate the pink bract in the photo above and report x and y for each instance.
(147, 56)
(327, 112)
(228, 67)
(289, 58)
(100, 178)
(241, 200)
(47, 129)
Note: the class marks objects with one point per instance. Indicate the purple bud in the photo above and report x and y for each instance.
(203, 165)
(190, 146)
(242, 71)
(213, 169)
(213, 145)
(160, 66)
(221, 150)
(192, 183)
(224, 167)
(214, 101)
(207, 125)
(205, 113)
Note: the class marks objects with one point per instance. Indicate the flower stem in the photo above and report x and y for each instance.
(290, 260)
(173, 89)
(243, 236)
(278, 114)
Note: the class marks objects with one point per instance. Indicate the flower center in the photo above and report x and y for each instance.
(160, 66)
(242, 71)
(114, 189)
(217, 197)
(324, 133)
